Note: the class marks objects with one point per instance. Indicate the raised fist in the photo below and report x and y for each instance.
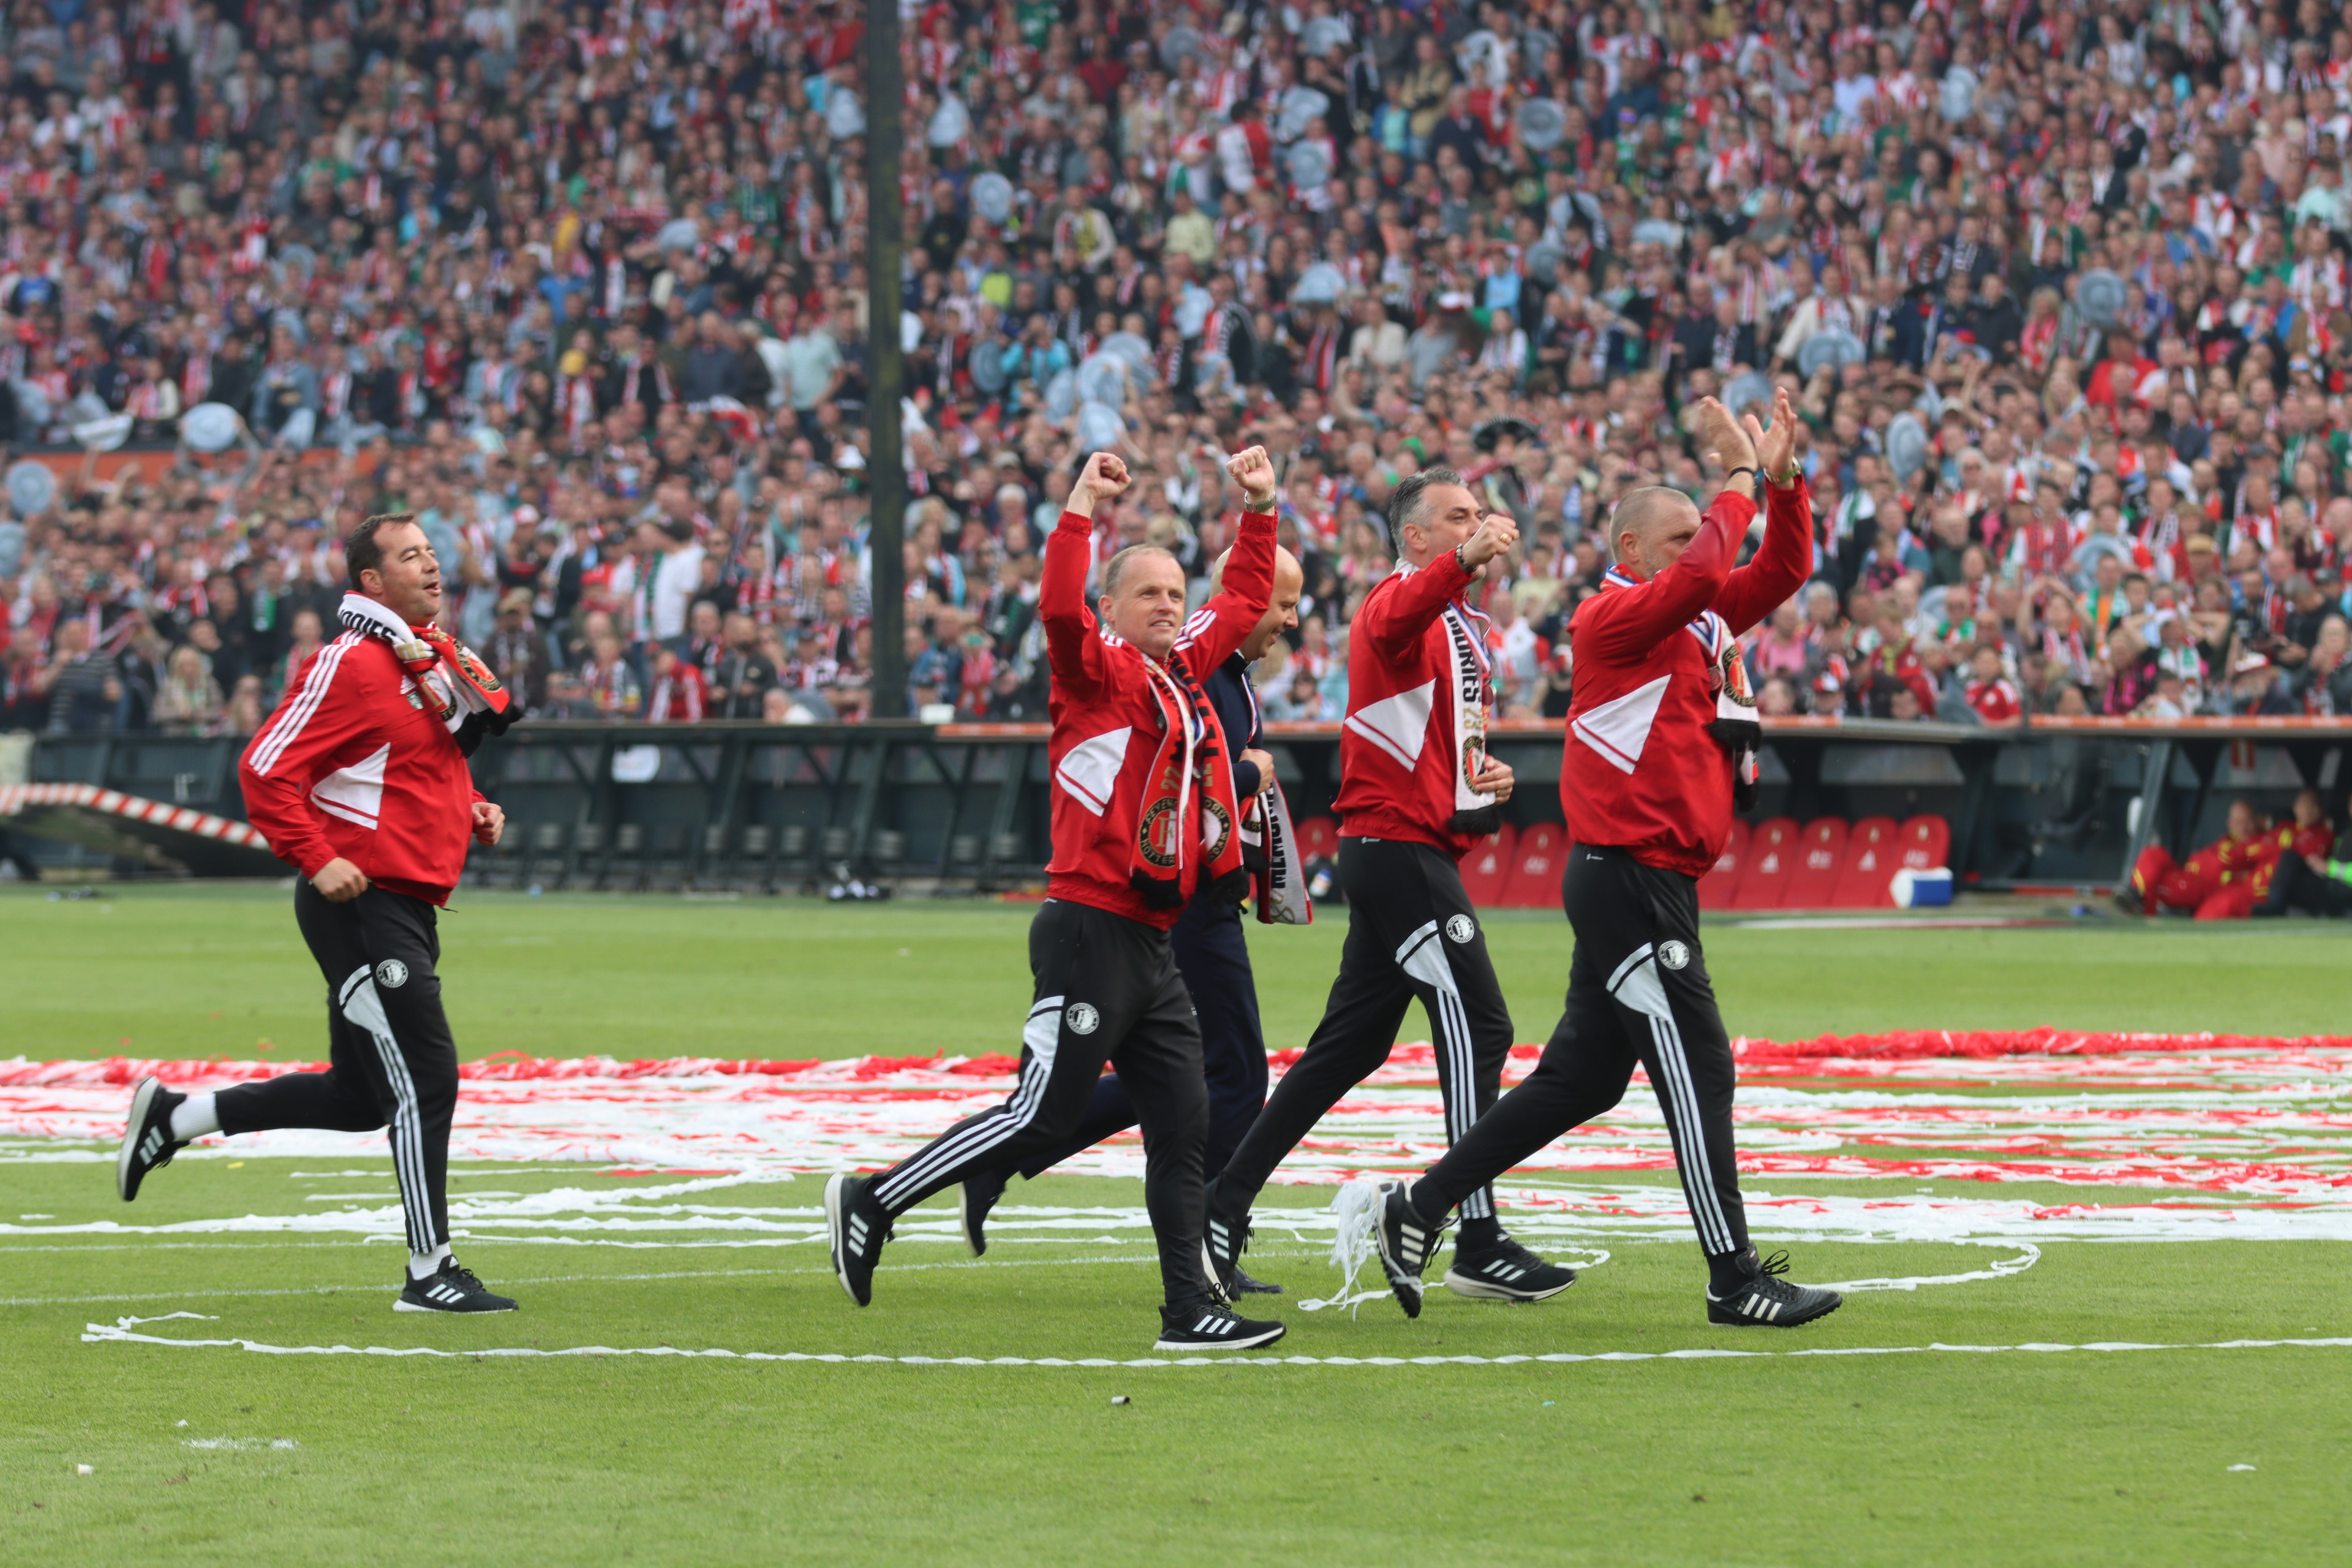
(1103, 477)
(1254, 471)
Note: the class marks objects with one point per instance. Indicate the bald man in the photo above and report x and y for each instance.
(1211, 955)
(1661, 740)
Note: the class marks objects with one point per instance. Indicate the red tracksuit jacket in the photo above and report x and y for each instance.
(1642, 770)
(1107, 724)
(353, 764)
(1399, 707)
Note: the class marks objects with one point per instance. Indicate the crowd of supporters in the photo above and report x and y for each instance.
(2060, 288)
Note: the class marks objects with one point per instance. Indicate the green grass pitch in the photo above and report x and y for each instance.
(2018, 1458)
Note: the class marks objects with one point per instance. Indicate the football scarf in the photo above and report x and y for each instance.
(1191, 783)
(1270, 846)
(1471, 688)
(446, 674)
(1735, 726)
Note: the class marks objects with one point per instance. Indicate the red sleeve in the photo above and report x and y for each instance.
(1626, 621)
(1394, 620)
(1072, 649)
(325, 707)
(1781, 565)
(1218, 626)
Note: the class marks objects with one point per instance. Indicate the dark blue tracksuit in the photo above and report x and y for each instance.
(1213, 959)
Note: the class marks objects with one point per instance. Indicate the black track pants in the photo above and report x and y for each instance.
(1411, 934)
(1106, 991)
(1637, 991)
(1213, 957)
(2296, 889)
(391, 1058)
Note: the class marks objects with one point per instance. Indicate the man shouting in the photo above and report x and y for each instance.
(1145, 812)
(1661, 737)
(359, 781)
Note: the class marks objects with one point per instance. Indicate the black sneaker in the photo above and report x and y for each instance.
(1245, 1285)
(858, 1226)
(1765, 1299)
(147, 1140)
(1212, 1326)
(452, 1288)
(974, 1199)
(1406, 1241)
(1223, 1238)
(1506, 1272)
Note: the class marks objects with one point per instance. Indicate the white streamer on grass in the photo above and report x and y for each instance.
(122, 1330)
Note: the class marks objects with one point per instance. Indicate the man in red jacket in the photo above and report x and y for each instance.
(1145, 814)
(1416, 790)
(359, 781)
(1662, 733)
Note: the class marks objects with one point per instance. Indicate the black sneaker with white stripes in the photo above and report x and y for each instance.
(1506, 1272)
(974, 1199)
(1406, 1243)
(452, 1288)
(1212, 1326)
(147, 1140)
(1765, 1299)
(1223, 1238)
(857, 1224)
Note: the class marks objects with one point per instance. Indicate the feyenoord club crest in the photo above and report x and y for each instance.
(1082, 1017)
(475, 670)
(391, 974)
(1674, 955)
(1474, 757)
(1224, 828)
(1157, 837)
(1461, 929)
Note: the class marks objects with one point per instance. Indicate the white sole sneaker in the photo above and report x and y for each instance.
(1462, 1284)
(399, 1306)
(832, 1228)
(1245, 1343)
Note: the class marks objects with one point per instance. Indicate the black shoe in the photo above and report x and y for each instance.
(147, 1140)
(1212, 1326)
(974, 1200)
(1406, 1242)
(858, 1226)
(1506, 1272)
(2127, 901)
(452, 1288)
(1245, 1285)
(1765, 1299)
(1223, 1238)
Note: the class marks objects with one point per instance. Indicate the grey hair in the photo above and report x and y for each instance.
(1406, 502)
(1117, 568)
(1637, 510)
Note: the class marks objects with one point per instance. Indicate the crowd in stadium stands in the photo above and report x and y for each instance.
(2060, 286)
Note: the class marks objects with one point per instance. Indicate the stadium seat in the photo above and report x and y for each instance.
(1488, 865)
(1770, 858)
(1820, 855)
(1318, 837)
(1715, 890)
(1536, 866)
(1923, 843)
(1866, 880)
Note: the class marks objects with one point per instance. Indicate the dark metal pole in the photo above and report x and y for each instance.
(886, 241)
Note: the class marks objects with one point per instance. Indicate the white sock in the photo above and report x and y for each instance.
(194, 1117)
(425, 1265)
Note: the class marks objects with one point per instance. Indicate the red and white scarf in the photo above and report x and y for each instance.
(444, 672)
(1188, 809)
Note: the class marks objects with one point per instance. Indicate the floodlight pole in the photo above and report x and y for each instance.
(886, 371)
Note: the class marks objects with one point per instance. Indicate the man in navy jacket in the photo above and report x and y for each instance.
(1211, 954)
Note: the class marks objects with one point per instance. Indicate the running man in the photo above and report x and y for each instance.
(1144, 813)
(1416, 790)
(1662, 733)
(1211, 954)
(359, 781)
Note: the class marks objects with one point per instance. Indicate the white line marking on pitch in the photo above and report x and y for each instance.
(122, 1332)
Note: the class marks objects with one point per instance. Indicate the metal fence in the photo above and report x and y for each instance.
(963, 807)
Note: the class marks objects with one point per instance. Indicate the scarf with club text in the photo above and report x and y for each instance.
(1189, 815)
(446, 674)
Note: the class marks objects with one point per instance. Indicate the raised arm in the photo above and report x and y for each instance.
(1786, 557)
(1218, 627)
(1073, 650)
(1672, 585)
(1395, 619)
